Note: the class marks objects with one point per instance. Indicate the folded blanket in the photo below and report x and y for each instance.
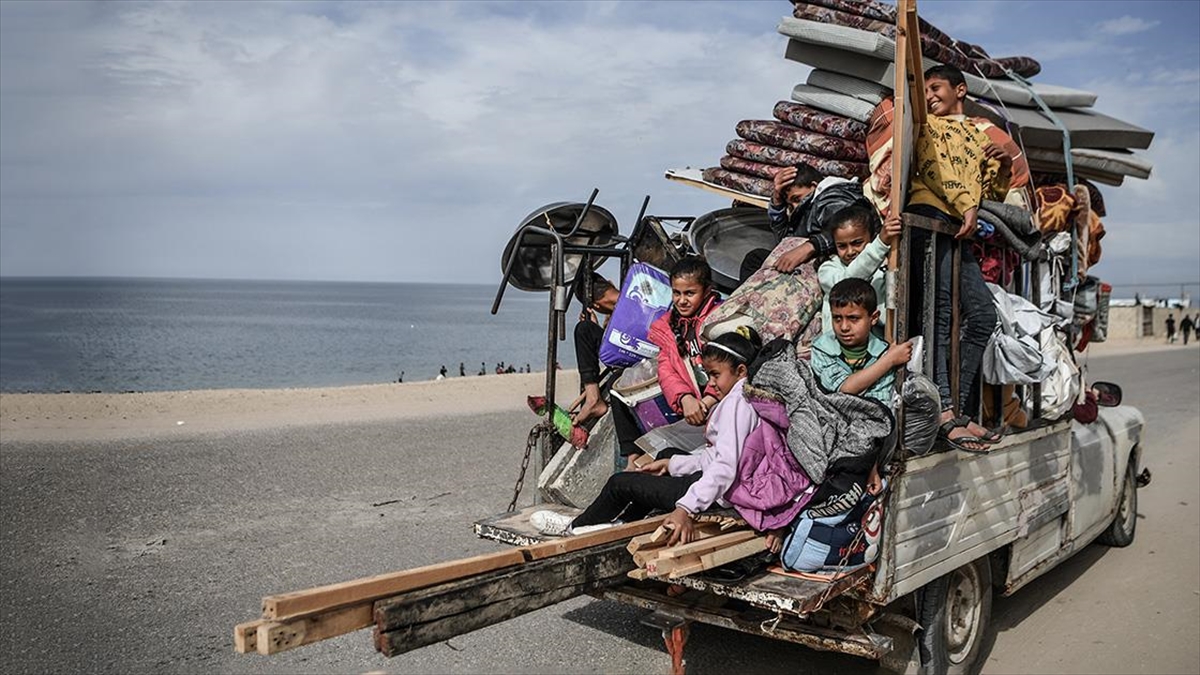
(824, 427)
(787, 136)
(738, 181)
(776, 304)
(820, 121)
(780, 157)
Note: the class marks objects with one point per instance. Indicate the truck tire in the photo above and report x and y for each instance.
(955, 616)
(1124, 525)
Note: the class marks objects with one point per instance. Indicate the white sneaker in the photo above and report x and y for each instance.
(587, 529)
(551, 523)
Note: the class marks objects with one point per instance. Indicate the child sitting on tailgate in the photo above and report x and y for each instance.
(860, 253)
(851, 358)
(683, 484)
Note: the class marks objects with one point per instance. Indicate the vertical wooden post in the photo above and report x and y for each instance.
(900, 136)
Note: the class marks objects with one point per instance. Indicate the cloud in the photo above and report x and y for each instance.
(1125, 25)
(390, 141)
(406, 141)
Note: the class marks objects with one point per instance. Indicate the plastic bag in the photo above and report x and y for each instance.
(645, 296)
(922, 408)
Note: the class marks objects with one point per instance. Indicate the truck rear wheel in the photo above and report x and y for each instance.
(1124, 525)
(954, 614)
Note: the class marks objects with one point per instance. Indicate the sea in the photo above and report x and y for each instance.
(123, 335)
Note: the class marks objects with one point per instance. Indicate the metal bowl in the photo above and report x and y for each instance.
(724, 238)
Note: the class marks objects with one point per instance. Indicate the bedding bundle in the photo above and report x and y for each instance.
(850, 44)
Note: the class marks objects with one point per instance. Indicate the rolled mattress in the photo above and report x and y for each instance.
(868, 56)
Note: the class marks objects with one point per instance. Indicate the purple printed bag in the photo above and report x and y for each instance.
(645, 296)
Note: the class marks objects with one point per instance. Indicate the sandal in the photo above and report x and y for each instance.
(992, 436)
(958, 443)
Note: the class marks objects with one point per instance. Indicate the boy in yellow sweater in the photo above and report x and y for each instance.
(957, 165)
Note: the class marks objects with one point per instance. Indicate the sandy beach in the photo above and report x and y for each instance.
(101, 417)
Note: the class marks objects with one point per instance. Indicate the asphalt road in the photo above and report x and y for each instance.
(140, 556)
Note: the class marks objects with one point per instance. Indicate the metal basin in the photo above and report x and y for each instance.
(724, 238)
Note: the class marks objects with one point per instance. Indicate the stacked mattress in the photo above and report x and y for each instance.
(851, 46)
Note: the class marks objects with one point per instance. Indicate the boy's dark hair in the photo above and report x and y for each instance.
(853, 291)
(858, 213)
(693, 266)
(600, 286)
(806, 175)
(737, 347)
(948, 73)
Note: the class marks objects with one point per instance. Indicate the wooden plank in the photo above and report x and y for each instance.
(708, 544)
(384, 585)
(663, 566)
(721, 556)
(638, 575)
(729, 554)
(245, 636)
(408, 638)
(433, 614)
(569, 544)
(278, 636)
(646, 542)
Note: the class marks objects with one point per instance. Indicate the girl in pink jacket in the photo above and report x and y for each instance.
(683, 484)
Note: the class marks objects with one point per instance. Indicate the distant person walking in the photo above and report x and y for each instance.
(462, 369)
(1170, 328)
(442, 373)
(400, 380)
(482, 368)
(1187, 325)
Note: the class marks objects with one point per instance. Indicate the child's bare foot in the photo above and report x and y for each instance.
(594, 407)
(591, 410)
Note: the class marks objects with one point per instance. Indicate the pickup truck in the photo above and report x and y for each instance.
(958, 528)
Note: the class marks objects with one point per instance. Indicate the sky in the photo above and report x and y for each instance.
(405, 141)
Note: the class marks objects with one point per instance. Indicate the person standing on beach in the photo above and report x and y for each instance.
(482, 368)
(400, 380)
(462, 369)
(1170, 328)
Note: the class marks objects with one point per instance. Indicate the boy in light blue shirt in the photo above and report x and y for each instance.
(851, 358)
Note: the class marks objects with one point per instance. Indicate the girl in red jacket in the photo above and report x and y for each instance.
(680, 375)
(677, 334)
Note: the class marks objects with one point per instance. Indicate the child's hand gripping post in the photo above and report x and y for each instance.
(892, 227)
(899, 354)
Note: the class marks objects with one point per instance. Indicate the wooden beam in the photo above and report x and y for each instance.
(706, 545)
(279, 636)
(437, 613)
(563, 545)
(245, 636)
(729, 554)
(720, 556)
(383, 585)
